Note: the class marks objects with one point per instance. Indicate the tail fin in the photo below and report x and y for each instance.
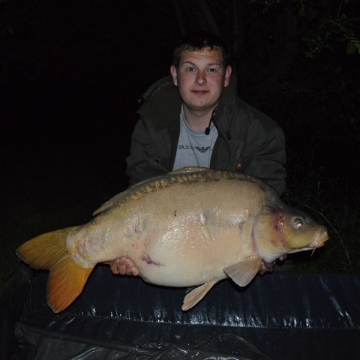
(67, 279)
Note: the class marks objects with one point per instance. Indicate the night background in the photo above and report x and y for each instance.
(72, 74)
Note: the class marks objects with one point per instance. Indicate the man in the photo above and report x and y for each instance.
(194, 118)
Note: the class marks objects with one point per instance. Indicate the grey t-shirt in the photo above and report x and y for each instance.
(194, 147)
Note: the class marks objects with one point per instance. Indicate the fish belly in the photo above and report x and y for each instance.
(190, 257)
(189, 238)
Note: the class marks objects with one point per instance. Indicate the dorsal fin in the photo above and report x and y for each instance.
(147, 186)
(190, 174)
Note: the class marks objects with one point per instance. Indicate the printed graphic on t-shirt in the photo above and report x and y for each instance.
(188, 154)
(194, 147)
(201, 149)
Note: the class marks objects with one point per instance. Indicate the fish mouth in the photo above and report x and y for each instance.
(319, 241)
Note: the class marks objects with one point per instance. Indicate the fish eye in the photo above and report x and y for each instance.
(299, 223)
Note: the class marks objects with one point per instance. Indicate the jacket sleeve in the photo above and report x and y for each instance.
(146, 159)
(266, 157)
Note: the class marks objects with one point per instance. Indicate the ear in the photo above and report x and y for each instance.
(173, 72)
(228, 72)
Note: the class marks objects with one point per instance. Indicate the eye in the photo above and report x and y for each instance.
(190, 69)
(213, 69)
(298, 223)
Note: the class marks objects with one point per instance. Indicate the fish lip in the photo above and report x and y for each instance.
(320, 240)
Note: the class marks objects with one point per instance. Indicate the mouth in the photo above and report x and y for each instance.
(199, 92)
(319, 241)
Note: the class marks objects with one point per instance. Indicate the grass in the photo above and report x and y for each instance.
(37, 205)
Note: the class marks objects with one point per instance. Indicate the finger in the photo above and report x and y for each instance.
(266, 267)
(262, 269)
(130, 268)
(134, 271)
(122, 267)
(114, 267)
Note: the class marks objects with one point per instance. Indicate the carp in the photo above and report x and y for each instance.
(191, 227)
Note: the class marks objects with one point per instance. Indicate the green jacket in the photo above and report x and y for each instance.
(248, 141)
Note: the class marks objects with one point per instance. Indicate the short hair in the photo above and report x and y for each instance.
(197, 42)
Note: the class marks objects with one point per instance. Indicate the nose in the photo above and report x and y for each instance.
(201, 79)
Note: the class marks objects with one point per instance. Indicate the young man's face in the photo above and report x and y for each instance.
(201, 78)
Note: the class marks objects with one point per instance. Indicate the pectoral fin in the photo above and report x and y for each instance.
(244, 271)
(195, 295)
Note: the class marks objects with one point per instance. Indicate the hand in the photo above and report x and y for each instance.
(269, 267)
(123, 266)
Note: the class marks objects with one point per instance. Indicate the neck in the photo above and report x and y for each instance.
(198, 120)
